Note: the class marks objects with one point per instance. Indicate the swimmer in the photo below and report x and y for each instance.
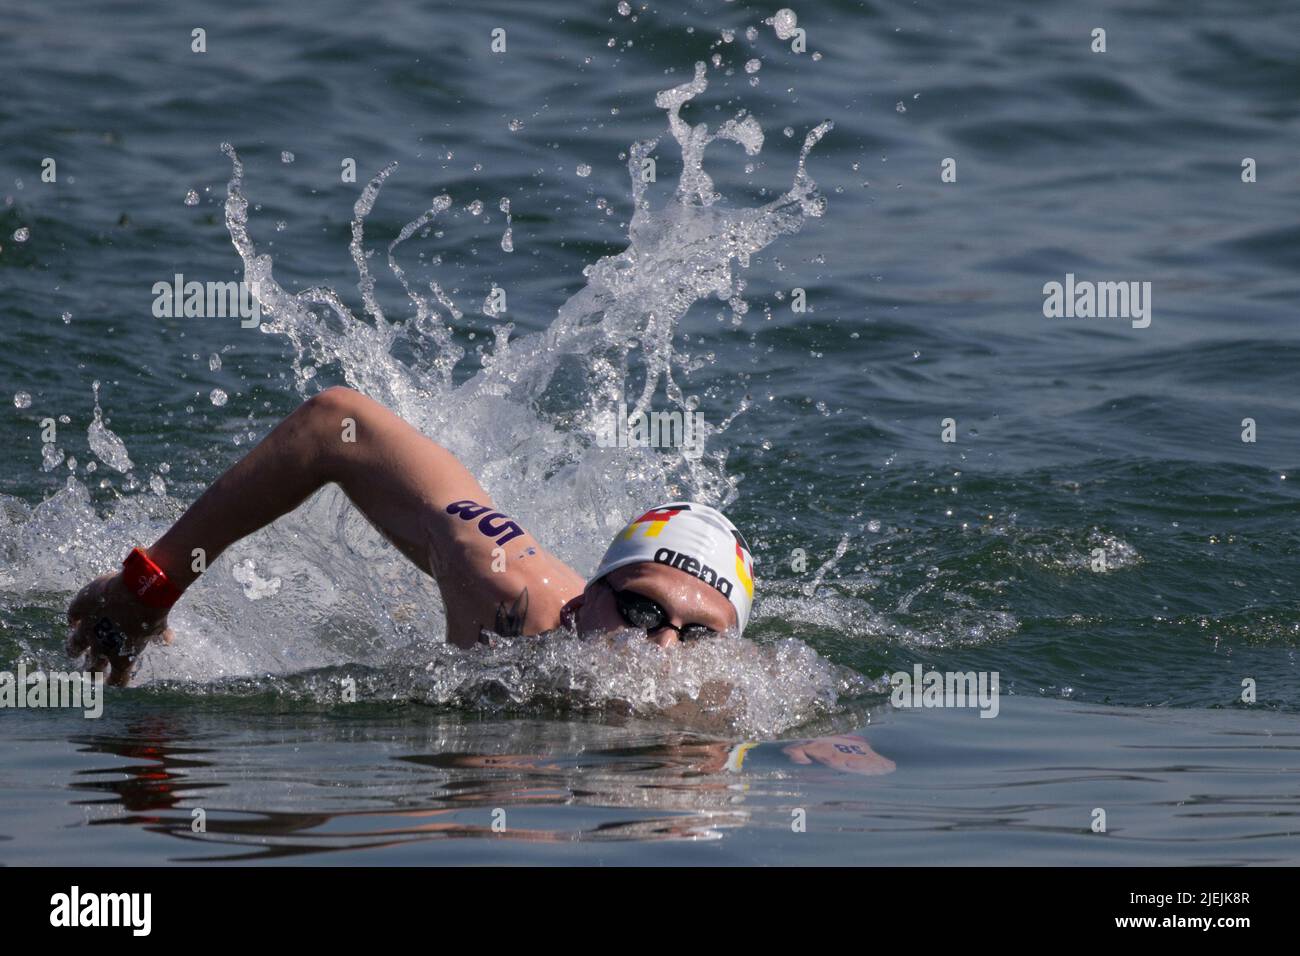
(680, 572)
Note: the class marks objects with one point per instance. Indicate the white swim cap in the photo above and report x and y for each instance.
(693, 538)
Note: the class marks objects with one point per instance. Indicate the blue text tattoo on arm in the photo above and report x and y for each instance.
(491, 523)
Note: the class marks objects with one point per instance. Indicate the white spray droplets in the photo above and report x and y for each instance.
(507, 237)
(107, 447)
(255, 587)
(51, 457)
(784, 22)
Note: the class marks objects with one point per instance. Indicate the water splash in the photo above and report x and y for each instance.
(625, 315)
(723, 686)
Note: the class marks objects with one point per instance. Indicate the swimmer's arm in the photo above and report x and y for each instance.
(389, 470)
(404, 483)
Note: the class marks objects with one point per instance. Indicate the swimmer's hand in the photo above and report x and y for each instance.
(111, 628)
(848, 752)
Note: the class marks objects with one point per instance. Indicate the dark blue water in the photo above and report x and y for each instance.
(925, 303)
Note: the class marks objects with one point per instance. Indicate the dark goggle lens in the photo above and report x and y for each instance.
(639, 611)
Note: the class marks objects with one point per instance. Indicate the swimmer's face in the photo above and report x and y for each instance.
(685, 599)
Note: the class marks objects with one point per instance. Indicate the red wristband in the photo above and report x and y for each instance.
(148, 582)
